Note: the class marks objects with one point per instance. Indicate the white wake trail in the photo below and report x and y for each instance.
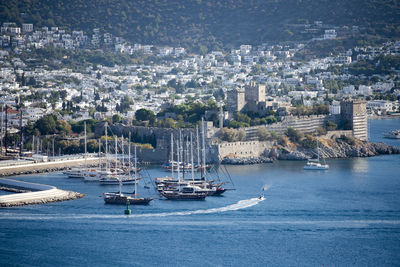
(242, 204)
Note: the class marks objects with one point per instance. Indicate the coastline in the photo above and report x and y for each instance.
(332, 149)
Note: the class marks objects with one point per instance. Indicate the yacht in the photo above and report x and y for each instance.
(315, 164)
(126, 198)
(395, 134)
(189, 192)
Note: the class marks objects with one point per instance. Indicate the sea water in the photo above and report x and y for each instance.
(347, 215)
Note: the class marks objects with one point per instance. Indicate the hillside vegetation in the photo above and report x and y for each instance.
(198, 23)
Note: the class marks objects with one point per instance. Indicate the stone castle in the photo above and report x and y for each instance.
(352, 117)
(353, 113)
(249, 98)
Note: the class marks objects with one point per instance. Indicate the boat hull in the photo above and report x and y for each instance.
(123, 200)
(183, 196)
(322, 167)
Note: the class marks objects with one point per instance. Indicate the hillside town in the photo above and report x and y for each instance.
(33, 87)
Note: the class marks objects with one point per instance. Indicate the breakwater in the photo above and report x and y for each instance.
(34, 193)
(31, 168)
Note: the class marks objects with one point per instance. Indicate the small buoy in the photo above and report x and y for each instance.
(127, 210)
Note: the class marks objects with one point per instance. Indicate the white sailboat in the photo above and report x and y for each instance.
(315, 164)
(79, 172)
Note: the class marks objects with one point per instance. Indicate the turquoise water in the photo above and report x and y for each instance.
(348, 215)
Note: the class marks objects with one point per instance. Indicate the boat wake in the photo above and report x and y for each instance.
(242, 204)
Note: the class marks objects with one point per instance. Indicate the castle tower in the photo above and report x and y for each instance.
(236, 101)
(254, 95)
(255, 92)
(354, 113)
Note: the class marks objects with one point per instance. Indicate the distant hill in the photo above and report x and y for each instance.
(211, 23)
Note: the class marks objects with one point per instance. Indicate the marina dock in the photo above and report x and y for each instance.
(28, 167)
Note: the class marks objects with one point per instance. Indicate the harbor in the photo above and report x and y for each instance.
(321, 210)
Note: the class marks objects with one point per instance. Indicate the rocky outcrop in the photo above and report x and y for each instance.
(334, 149)
(246, 161)
(328, 148)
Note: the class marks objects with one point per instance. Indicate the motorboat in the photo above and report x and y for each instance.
(395, 134)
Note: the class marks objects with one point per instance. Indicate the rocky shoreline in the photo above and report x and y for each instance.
(328, 148)
(246, 161)
(337, 149)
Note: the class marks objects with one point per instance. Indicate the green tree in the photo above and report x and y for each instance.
(294, 135)
(145, 115)
(116, 118)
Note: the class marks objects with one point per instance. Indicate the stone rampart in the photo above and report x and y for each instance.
(245, 149)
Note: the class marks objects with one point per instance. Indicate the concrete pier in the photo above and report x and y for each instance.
(39, 194)
(31, 167)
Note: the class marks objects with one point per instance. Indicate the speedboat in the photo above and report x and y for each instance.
(395, 134)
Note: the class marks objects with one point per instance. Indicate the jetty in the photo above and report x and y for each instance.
(33, 193)
(11, 168)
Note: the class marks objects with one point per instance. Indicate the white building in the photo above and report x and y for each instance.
(334, 108)
(27, 27)
(330, 34)
(380, 105)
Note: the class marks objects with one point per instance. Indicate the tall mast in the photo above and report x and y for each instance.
(135, 173)
(177, 156)
(1, 136)
(85, 147)
(180, 157)
(203, 166)
(20, 134)
(123, 151)
(106, 149)
(172, 155)
(129, 155)
(191, 154)
(198, 147)
(116, 165)
(116, 155)
(5, 136)
(99, 154)
(33, 143)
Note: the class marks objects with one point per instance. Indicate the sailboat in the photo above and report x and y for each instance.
(315, 164)
(118, 176)
(180, 189)
(79, 172)
(187, 188)
(126, 198)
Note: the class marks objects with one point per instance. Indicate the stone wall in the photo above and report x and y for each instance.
(305, 124)
(246, 149)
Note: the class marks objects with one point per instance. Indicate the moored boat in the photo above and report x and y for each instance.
(395, 134)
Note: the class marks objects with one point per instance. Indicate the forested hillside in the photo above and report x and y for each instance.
(203, 22)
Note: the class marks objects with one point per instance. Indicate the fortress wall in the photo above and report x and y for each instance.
(241, 149)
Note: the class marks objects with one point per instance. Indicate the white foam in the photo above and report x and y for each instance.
(242, 204)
